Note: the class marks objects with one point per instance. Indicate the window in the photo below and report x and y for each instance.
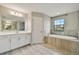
(59, 25)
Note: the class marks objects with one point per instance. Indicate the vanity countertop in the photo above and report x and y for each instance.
(13, 33)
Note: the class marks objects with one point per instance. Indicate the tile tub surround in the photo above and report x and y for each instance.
(37, 49)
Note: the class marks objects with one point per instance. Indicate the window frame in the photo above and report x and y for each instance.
(59, 25)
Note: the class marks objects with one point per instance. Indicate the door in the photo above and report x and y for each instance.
(37, 30)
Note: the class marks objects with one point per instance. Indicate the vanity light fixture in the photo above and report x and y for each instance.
(16, 13)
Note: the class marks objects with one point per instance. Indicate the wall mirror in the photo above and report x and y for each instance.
(9, 25)
(21, 26)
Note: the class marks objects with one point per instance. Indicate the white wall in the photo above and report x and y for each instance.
(29, 22)
(78, 21)
(0, 23)
(46, 25)
(71, 23)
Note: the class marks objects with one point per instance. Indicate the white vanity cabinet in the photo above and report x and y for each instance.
(28, 38)
(24, 39)
(14, 41)
(4, 44)
(20, 40)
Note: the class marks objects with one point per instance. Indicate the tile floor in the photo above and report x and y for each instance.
(38, 49)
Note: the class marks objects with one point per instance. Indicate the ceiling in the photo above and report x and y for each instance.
(51, 9)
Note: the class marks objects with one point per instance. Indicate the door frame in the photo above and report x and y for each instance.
(33, 26)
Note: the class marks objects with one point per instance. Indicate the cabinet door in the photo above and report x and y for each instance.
(53, 42)
(14, 41)
(27, 39)
(24, 39)
(21, 40)
(66, 46)
(58, 43)
(49, 40)
(4, 44)
(76, 48)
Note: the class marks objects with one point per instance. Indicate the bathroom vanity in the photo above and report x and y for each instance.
(14, 40)
(65, 44)
(14, 29)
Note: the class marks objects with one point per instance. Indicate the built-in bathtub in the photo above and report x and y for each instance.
(70, 38)
(65, 44)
